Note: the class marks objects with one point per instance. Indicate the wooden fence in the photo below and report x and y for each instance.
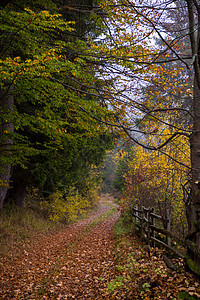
(151, 225)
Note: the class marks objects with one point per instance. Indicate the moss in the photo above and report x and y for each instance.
(193, 266)
(186, 296)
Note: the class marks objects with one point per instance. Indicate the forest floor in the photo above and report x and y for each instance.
(88, 260)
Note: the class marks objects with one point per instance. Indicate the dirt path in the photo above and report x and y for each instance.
(82, 261)
(68, 264)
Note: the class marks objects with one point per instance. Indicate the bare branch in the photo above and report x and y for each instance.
(154, 148)
(159, 34)
(171, 109)
(73, 88)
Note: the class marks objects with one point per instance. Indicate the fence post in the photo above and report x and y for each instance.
(136, 214)
(142, 221)
(153, 224)
(168, 239)
(148, 226)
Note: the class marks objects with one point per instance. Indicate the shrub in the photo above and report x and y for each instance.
(65, 208)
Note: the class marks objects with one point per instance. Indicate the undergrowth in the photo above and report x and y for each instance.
(125, 262)
(19, 224)
(141, 270)
(40, 216)
(124, 225)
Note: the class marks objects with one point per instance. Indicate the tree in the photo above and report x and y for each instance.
(153, 179)
(193, 205)
(50, 113)
(130, 56)
(101, 82)
(6, 126)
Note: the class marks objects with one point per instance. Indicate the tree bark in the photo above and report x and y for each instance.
(193, 207)
(19, 180)
(7, 103)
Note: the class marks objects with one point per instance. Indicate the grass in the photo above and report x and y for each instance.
(102, 218)
(123, 226)
(124, 258)
(20, 224)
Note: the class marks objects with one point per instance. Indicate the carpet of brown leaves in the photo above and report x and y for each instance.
(83, 262)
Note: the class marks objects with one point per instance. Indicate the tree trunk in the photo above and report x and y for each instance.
(19, 180)
(193, 207)
(4, 177)
(6, 102)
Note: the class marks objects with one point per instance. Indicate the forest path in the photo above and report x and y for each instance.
(84, 261)
(68, 264)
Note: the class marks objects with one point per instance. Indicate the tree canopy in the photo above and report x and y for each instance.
(54, 136)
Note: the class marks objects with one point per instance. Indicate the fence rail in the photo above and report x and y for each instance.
(150, 223)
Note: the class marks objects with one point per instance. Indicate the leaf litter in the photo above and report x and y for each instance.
(77, 263)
